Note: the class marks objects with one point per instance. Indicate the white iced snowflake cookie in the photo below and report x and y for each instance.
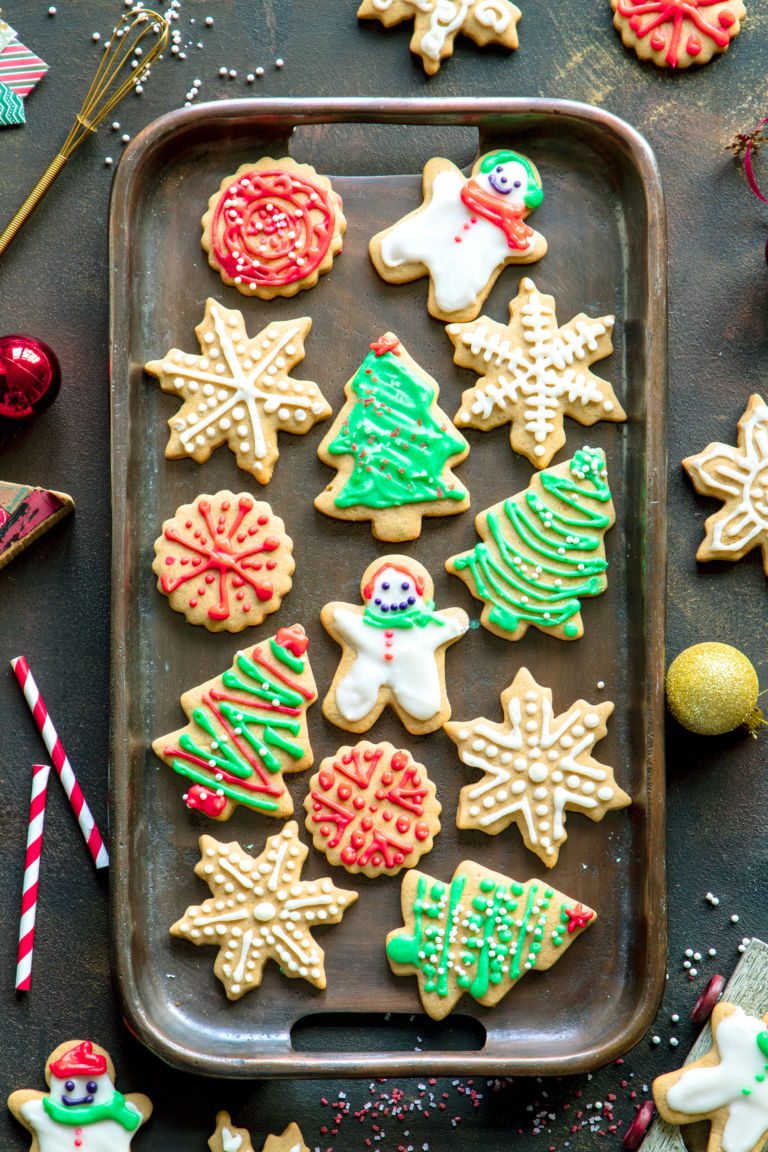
(536, 767)
(437, 23)
(82, 1109)
(728, 1086)
(238, 391)
(465, 233)
(533, 373)
(393, 649)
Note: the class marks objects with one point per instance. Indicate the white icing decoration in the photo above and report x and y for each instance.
(411, 673)
(460, 268)
(449, 16)
(548, 369)
(738, 476)
(230, 1141)
(705, 1090)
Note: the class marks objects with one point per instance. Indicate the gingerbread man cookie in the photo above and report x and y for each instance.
(678, 33)
(478, 934)
(239, 391)
(536, 767)
(534, 372)
(437, 23)
(273, 228)
(465, 233)
(394, 448)
(228, 1138)
(727, 1086)
(225, 561)
(82, 1110)
(393, 649)
(739, 477)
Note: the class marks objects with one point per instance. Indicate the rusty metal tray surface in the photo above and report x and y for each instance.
(604, 220)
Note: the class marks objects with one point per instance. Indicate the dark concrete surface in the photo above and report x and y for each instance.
(54, 600)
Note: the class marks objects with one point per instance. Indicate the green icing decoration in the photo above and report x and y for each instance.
(565, 530)
(762, 1042)
(419, 615)
(285, 657)
(400, 450)
(82, 1114)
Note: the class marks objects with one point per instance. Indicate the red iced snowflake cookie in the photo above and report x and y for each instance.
(225, 561)
(372, 809)
(678, 33)
(273, 228)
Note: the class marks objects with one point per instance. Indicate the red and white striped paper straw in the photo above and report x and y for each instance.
(40, 773)
(61, 763)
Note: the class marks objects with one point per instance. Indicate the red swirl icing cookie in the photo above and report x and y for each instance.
(273, 228)
(372, 809)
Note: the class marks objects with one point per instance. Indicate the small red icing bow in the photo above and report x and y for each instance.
(385, 344)
(80, 1060)
(504, 216)
(578, 917)
(294, 638)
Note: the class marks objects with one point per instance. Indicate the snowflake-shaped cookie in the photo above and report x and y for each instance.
(739, 477)
(678, 33)
(536, 767)
(260, 910)
(372, 809)
(533, 373)
(727, 1086)
(239, 391)
(225, 561)
(437, 23)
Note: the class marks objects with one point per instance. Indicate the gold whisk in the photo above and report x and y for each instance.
(120, 70)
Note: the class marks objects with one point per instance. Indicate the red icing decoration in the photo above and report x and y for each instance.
(205, 800)
(272, 228)
(578, 917)
(294, 638)
(385, 344)
(675, 12)
(504, 216)
(349, 793)
(30, 376)
(81, 1060)
(217, 550)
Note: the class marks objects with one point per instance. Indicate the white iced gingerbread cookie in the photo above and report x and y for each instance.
(437, 23)
(82, 1110)
(466, 231)
(393, 649)
(727, 1086)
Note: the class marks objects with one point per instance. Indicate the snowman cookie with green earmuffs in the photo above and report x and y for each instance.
(465, 233)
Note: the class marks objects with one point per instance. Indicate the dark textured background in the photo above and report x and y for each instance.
(54, 604)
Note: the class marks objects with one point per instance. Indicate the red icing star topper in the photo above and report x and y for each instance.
(578, 917)
(385, 344)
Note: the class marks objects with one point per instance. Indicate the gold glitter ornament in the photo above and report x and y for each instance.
(712, 688)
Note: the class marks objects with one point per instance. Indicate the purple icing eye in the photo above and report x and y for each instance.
(405, 585)
(70, 1085)
(518, 183)
(385, 586)
(91, 1085)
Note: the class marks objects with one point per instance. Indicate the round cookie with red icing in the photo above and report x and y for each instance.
(273, 228)
(372, 809)
(224, 561)
(678, 33)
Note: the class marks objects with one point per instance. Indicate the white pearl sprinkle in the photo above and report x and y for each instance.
(279, 62)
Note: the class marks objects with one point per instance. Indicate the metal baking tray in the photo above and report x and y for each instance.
(603, 216)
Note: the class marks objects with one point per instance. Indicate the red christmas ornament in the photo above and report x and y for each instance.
(30, 376)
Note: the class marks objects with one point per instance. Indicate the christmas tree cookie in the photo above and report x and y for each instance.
(225, 561)
(82, 1109)
(739, 477)
(372, 809)
(436, 24)
(393, 649)
(25, 514)
(727, 1086)
(393, 448)
(533, 373)
(246, 728)
(261, 909)
(536, 767)
(478, 934)
(465, 233)
(239, 390)
(227, 1138)
(542, 550)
